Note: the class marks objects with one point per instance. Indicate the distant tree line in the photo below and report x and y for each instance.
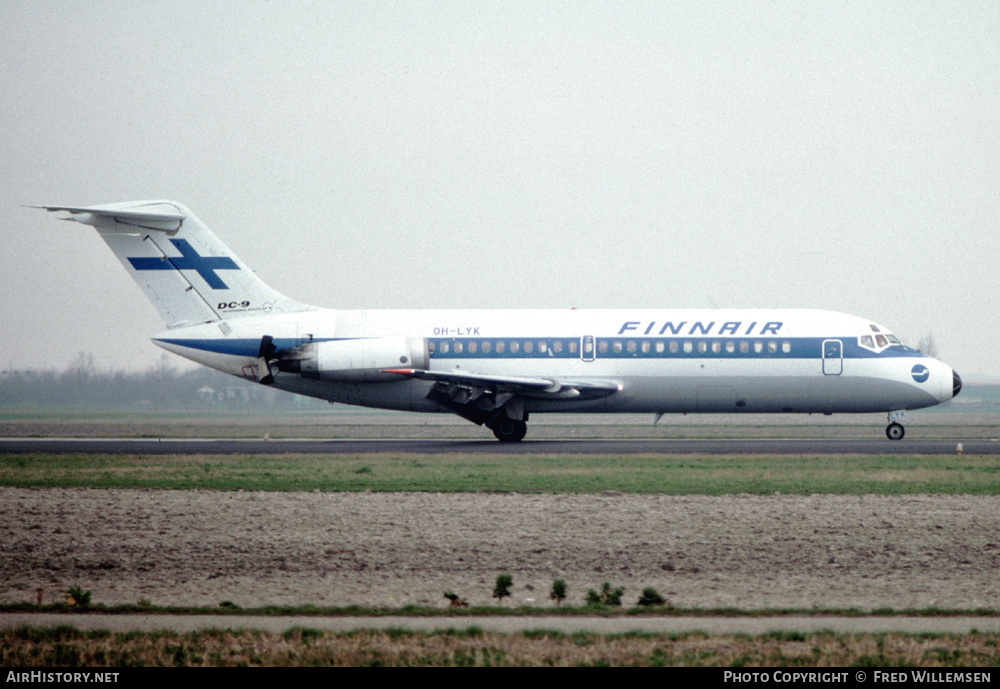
(161, 387)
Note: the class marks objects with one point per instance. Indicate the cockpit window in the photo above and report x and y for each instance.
(874, 328)
(878, 342)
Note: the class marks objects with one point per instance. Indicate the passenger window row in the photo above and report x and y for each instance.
(542, 347)
(617, 347)
(605, 347)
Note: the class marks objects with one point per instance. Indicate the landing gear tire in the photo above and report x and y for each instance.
(509, 430)
(895, 431)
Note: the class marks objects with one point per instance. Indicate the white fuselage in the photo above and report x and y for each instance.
(664, 361)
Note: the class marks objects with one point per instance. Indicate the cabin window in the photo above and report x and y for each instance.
(630, 346)
(458, 348)
(659, 347)
(574, 347)
(444, 347)
(602, 347)
(772, 347)
(744, 347)
(557, 347)
(716, 347)
(786, 346)
(529, 347)
(473, 347)
(702, 346)
(515, 347)
(730, 347)
(645, 347)
(674, 346)
(543, 347)
(487, 346)
(617, 347)
(758, 347)
(688, 347)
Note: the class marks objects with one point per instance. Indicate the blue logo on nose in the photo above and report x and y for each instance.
(920, 373)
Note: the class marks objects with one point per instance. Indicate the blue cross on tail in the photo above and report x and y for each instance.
(189, 260)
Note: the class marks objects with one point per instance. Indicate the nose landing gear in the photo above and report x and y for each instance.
(895, 430)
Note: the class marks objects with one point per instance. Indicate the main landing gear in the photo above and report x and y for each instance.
(508, 430)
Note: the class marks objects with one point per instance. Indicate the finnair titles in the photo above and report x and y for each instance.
(497, 367)
(699, 328)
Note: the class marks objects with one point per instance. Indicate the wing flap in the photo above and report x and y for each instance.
(523, 386)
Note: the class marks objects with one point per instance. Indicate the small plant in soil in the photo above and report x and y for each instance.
(650, 596)
(558, 592)
(502, 588)
(607, 596)
(77, 597)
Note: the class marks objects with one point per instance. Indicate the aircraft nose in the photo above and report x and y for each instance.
(956, 383)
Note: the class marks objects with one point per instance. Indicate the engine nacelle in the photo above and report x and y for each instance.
(359, 361)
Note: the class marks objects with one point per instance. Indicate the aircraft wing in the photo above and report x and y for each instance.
(550, 388)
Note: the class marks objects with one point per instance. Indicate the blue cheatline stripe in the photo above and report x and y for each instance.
(633, 348)
(247, 347)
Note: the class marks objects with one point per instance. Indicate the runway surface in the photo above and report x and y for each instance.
(768, 446)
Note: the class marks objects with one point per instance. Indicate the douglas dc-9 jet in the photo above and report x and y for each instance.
(497, 367)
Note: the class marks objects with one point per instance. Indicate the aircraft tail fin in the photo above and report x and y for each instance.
(182, 267)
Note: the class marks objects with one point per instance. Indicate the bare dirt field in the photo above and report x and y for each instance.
(392, 549)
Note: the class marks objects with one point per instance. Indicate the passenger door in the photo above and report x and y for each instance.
(833, 357)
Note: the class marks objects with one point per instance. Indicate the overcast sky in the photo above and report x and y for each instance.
(842, 156)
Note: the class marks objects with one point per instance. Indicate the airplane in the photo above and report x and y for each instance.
(497, 367)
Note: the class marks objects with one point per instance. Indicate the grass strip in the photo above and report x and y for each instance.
(900, 474)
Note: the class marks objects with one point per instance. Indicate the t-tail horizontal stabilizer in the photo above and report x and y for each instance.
(182, 267)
